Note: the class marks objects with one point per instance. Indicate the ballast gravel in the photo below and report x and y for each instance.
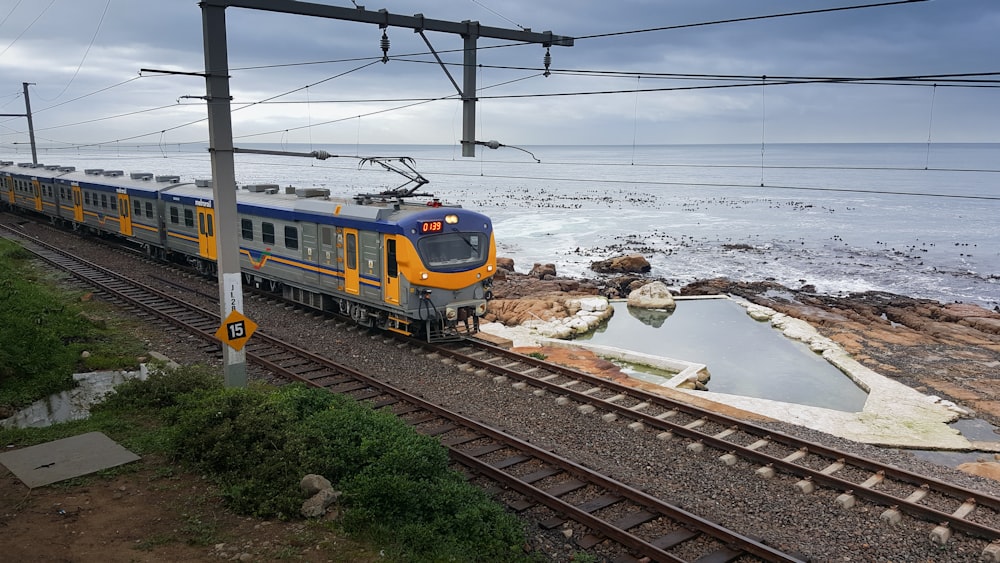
(812, 526)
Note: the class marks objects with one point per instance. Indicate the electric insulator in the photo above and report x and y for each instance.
(548, 61)
(385, 47)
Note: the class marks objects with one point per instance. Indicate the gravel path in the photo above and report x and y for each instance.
(811, 525)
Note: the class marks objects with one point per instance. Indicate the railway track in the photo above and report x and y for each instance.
(646, 527)
(947, 508)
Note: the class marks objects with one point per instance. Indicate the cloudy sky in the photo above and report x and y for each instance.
(322, 81)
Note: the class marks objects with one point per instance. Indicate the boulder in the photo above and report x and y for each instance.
(543, 271)
(505, 264)
(653, 295)
(317, 505)
(312, 484)
(631, 264)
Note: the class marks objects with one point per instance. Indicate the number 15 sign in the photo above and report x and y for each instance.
(235, 330)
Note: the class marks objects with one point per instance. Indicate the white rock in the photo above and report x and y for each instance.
(653, 295)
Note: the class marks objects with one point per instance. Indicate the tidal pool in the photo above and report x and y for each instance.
(745, 357)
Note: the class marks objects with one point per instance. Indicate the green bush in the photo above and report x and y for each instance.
(396, 484)
(161, 389)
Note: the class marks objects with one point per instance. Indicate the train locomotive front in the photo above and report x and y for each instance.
(446, 259)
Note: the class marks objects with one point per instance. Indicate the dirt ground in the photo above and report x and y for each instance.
(150, 512)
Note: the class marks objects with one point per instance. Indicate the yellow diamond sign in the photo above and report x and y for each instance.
(235, 330)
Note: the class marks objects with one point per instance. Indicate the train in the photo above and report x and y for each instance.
(396, 260)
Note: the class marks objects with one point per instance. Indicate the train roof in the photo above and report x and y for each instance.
(292, 203)
(141, 183)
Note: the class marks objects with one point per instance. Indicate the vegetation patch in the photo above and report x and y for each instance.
(255, 444)
(45, 334)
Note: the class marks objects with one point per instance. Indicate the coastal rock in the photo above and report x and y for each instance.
(653, 295)
(505, 264)
(630, 264)
(525, 321)
(988, 469)
(543, 271)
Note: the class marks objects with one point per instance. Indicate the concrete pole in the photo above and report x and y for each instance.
(31, 128)
(469, 90)
(220, 135)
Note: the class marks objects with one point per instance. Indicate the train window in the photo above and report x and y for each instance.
(211, 224)
(114, 203)
(175, 215)
(391, 268)
(247, 227)
(86, 197)
(188, 218)
(327, 236)
(450, 250)
(137, 212)
(352, 251)
(267, 233)
(104, 201)
(291, 237)
(149, 209)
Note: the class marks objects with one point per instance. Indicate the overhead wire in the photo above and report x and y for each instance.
(419, 101)
(750, 18)
(38, 17)
(85, 53)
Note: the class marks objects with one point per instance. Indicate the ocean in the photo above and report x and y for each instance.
(913, 219)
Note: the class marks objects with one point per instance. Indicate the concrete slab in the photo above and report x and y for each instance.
(56, 461)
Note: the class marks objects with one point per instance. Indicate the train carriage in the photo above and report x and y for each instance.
(27, 186)
(387, 263)
(188, 223)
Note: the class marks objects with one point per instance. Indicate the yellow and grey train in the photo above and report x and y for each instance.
(414, 268)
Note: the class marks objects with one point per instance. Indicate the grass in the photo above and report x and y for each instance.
(46, 332)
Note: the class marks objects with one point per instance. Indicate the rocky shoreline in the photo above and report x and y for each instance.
(950, 351)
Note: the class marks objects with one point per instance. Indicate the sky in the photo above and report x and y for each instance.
(297, 79)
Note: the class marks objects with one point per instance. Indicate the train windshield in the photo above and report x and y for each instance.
(450, 251)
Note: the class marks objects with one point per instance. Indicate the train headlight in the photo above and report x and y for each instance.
(481, 309)
(451, 219)
(451, 313)
(424, 275)
(489, 268)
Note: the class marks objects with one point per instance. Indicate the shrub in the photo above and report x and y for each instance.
(397, 486)
(162, 388)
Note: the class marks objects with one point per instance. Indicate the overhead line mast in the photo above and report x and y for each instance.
(220, 125)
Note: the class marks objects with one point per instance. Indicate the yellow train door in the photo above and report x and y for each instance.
(390, 278)
(77, 204)
(124, 215)
(37, 187)
(351, 277)
(206, 233)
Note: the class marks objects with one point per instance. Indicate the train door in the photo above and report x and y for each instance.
(310, 249)
(348, 239)
(77, 203)
(10, 189)
(390, 277)
(124, 215)
(206, 233)
(328, 259)
(36, 187)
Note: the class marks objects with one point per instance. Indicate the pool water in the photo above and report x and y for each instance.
(744, 357)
